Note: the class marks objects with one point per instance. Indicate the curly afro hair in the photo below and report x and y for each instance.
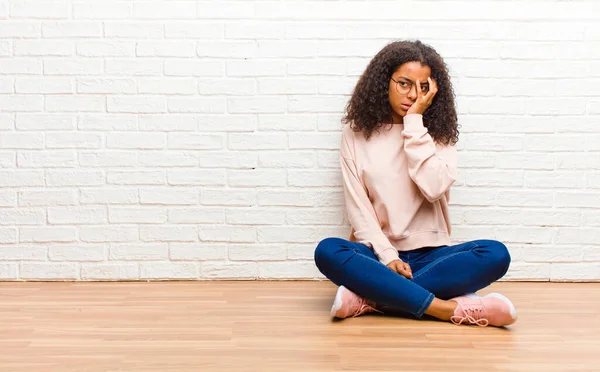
(369, 107)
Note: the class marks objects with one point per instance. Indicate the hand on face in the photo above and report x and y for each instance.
(423, 101)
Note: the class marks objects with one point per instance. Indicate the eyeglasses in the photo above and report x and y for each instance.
(403, 86)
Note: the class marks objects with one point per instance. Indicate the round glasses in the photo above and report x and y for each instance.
(403, 86)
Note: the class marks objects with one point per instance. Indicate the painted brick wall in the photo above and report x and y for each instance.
(198, 139)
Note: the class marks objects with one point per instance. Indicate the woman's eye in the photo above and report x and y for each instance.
(403, 84)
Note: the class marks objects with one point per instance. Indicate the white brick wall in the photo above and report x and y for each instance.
(199, 139)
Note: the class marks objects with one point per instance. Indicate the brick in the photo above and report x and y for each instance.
(136, 141)
(46, 197)
(285, 234)
(103, 10)
(16, 140)
(229, 87)
(47, 234)
(21, 66)
(24, 252)
(229, 159)
(168, 159)
(314, 178)
(55, 9)
(574, 271)
(77, 252)
(75, 103)
(136, 177)
(110, 271)
(256, 105)
(193, 30)
(47, 85)
(330, 141)
(134, 30)
(71, 66)
(44, 48)
(255, 216)
(229, 123)
(234, 234)
(74, 178)
(77, 215)
(164, 10)
(105, 86)
(295, 122)
(108, 195)
(71, 29)
(545, 179)
(107, 122)
(287, 270)
(230, 196)
(255, 178)
(134, 67)
(230, 270)
(8, 235)
(20, 29)
(256, 141)
(108, 234)
(168, 123)
(166, 86)
(525, 198)
(190, 67)
(73, 140)
(195, 141)
(136, 105)
(286, 160)
(196, 177)
(201, 105)
(166, 49)
(169, 196)
(46, 159)
(197, 251)
(49, 271)
(169, 270)
(139, 252)
(256, 68)
(8, 271)
(138, 215)
(102, 159)
(254, 252)
(21, 178)
(196, 215)
(22, 103)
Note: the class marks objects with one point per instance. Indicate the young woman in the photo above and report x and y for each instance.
(398, 161)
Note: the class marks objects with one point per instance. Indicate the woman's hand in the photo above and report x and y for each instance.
(423, 101)
(401, 268)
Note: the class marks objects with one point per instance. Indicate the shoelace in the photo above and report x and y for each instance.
(473, 314)
(365, 308)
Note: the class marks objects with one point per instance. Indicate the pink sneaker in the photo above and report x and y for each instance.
(347, 303)
(492, 309)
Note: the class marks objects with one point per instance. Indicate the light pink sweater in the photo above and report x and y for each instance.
(396, 187)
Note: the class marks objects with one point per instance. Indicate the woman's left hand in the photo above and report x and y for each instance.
(423, 101)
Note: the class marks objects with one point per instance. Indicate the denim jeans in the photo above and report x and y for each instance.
(443, 272)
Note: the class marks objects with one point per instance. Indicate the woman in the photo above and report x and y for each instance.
(398, 161)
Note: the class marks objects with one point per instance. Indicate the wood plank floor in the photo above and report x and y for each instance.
(280, 326)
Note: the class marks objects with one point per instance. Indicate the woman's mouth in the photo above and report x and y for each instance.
(405, 106)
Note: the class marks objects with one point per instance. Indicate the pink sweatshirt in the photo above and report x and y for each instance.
(396, 187)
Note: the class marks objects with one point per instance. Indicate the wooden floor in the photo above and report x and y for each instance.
(280, 326)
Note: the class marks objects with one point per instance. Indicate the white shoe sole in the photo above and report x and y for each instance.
(513, 311)
(337, 303)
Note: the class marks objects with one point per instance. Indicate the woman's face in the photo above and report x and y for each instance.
(403, 87)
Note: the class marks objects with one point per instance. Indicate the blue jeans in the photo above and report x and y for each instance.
(443, 272)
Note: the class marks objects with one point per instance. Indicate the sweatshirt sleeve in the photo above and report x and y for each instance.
(361, 214)
(433, 171)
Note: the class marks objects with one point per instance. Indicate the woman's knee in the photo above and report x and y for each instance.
(325, 251)
(499, 255)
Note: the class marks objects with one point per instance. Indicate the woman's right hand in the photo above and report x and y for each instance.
(401, 268)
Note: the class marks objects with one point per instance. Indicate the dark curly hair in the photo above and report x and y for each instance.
(369, 107)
